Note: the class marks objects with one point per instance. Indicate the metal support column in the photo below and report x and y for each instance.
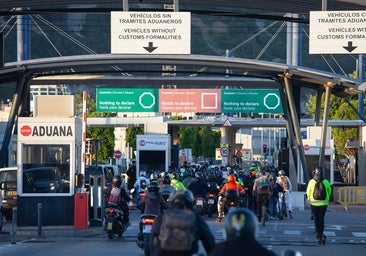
(18, 101)
(296, 125)
(328, 90)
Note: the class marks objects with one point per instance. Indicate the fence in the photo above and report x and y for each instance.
(351, 195)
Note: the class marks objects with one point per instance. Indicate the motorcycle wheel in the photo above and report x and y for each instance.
(110, 235)
(146, 249)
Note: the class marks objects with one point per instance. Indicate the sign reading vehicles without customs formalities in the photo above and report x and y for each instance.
(337, 32)
(150, 32)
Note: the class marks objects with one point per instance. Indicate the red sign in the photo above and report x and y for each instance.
(190, 100)
(26, 130)
(117, 154)
(306, 147)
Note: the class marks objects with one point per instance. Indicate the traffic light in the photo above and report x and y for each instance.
(264, 148)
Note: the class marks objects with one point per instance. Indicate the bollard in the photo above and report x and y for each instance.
(14, 225)
(39, 219)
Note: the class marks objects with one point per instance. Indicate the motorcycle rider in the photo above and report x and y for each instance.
(117, 196)
(188, 177)
(240, 231)
(140, 184)
(166, 189)
(152, 203)
(286, 185)
(229, 188)
(199, 186)
(183, 201)
(178, 185)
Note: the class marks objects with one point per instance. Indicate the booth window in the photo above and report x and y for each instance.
(46, 168)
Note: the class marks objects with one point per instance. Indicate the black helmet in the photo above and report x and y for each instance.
(198, 175)
(166, 180)
(117, 181)
(182, 199)
(153, 186)
(241, 223)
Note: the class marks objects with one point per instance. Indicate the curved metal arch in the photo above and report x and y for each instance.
(302, 76)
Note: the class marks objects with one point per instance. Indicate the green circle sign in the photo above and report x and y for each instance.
(271, 101)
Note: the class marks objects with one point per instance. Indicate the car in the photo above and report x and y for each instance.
(9, 193)
(44, 180)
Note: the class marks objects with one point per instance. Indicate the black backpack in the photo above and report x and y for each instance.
(319, 192)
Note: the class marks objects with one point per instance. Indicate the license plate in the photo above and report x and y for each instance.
(146, 228)
(199, 202)
(12, 193)
(211, 201)
(109, 225)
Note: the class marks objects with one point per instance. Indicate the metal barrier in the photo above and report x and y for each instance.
(351, 195)
(96, 197)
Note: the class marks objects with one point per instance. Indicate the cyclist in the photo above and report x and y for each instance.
(286, 185)
(240, 232)
(262, 189)
(229, 188)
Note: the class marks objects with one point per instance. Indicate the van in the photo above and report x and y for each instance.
(8, 186)
(107, 171)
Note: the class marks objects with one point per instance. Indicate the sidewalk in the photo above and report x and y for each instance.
(351, 208)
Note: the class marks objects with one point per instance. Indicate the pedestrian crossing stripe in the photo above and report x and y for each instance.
(292, 232)
(359, 234)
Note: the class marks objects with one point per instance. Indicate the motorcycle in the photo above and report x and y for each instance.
(200, 205)
(232, 201)
(114, 224)
(212, 198)
(211, 204)
(143, 237)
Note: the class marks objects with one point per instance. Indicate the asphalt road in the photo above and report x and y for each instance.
(346, 232)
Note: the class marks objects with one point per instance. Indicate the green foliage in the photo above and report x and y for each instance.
(131, 133)
(202, 140)
(340, 109)
(104, 135)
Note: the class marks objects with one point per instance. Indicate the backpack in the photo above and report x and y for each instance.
(143, 184)
(115, 196)
(177, 230)
(319, 192)
(263, 186)
(284, 183)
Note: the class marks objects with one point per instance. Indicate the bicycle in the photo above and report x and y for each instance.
(282, 212)
(264, 212)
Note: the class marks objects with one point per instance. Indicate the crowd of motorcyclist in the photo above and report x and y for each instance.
(219, 181)
(244, 186)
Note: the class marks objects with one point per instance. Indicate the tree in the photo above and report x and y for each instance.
(104, 135)
(131, 133)
(340, 109)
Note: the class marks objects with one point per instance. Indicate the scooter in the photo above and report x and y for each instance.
(143, 237)
(114, 224)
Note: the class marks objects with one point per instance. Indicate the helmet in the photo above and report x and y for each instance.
(182, 199)
(153, 176)
(281, 172)
(241, 223)
(153, 186)
(142, 173)
(166, 180)
(231, 178)
(318, 171)
(198, 175)
(117, 181)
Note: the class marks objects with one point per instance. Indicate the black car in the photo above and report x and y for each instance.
(106, 171)
(44, 180)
